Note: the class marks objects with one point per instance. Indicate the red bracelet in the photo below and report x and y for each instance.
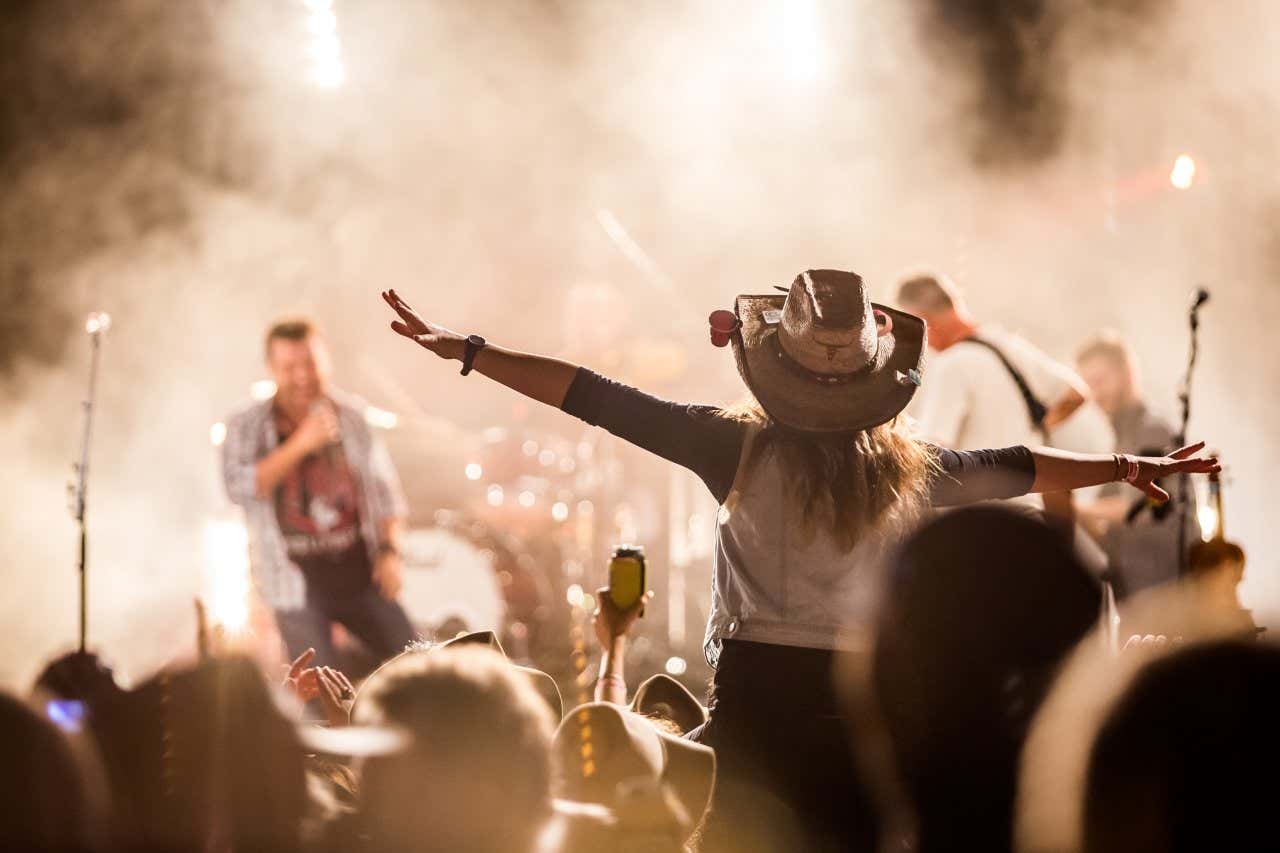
(1131, 473)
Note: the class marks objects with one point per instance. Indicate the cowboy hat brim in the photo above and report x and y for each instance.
(794, 397)
(662, 695)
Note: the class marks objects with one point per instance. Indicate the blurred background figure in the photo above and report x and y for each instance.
(977, 372)
(322, 502)
(1108, 366)
(1141, 539)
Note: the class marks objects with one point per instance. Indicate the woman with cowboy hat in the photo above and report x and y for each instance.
(817, 478)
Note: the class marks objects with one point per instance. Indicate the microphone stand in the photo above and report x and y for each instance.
(96, 326)
(1180, 440)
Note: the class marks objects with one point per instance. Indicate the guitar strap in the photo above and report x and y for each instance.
(1036, 409)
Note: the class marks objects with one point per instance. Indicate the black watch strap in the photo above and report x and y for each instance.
(475, 343)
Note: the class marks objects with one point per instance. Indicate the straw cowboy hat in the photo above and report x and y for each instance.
(821, 357)
(662, 696)
(604, 751)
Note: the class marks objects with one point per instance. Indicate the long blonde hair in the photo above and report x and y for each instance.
(845, 484)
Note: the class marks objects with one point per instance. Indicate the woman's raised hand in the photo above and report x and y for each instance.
(1181, 461)
(438, 339)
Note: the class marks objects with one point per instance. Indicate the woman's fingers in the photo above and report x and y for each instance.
(327, 683)
(300, 663)
(1184, 452)
(1198, 466)
(398, 305)
(428, 340)
(395, 304)
(1156, 493)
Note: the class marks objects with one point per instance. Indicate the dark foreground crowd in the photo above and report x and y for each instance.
(991, 714)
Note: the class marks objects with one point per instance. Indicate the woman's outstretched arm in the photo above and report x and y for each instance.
(1061, 470)
(696, 437)
(965, 476)
(546, 380)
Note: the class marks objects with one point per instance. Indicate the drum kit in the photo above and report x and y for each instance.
(500, 525)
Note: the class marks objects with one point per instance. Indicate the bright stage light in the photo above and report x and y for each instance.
(574, 595)
(676, 666)
(560, 511)
(494, 495)
(322, 23)
(799, 37)
(527, 498)
(226, 567)
(325, 50)
(263, 389)
(474, 471)
(217, 434)
(329, 75)
(1183, 173)
(98, 321)
(324, 47)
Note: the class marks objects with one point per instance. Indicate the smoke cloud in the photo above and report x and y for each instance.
(190, 169)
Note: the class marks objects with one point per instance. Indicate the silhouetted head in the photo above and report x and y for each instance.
(1183, 760)
(981, 607)
(477, 775)
(44, 794)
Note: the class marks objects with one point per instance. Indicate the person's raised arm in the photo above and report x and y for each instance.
(546, 380)
(1061, 470)
(966, 476)
(700, 438)
(613, 626)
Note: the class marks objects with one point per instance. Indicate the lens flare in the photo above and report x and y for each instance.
(1207, 515)
(1183, 173)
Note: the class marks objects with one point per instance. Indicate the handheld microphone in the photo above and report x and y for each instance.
(1201, 296)
(333, 450)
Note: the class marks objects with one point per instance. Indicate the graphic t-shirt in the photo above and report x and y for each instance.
(318, 509)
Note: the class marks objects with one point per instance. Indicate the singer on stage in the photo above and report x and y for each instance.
(322, 502)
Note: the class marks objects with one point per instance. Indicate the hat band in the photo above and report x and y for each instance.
(803, 372)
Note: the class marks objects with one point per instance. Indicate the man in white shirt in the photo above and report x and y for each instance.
(970, 398)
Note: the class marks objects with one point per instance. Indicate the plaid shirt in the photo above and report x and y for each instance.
(251, 435)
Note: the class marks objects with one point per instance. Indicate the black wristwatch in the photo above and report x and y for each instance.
(475, 343)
